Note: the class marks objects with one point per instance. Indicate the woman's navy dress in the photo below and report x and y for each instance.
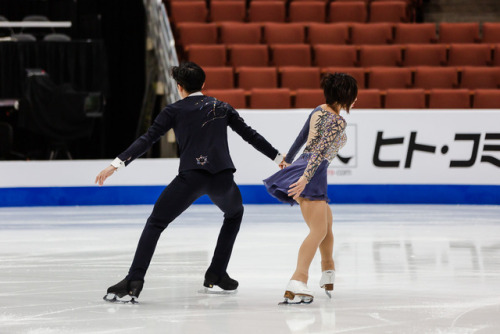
(324, 132)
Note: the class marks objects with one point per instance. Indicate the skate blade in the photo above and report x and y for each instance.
(301, 301)
(217, 291)
(328, 288)
(112, 298)
(290, 297)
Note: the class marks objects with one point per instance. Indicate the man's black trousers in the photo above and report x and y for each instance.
(175, 199)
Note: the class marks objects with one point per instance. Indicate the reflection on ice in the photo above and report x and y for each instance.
(400, 269)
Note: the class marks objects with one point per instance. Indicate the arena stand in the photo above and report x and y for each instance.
(293, 42)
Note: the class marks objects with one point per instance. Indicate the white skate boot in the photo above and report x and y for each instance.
(300, 290)
(327, 280)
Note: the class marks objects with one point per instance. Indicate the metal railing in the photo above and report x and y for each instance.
(163, 43)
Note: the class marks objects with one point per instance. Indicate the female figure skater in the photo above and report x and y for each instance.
(305, 181)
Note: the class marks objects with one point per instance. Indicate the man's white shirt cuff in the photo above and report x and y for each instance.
(278, 159)
(117, 163)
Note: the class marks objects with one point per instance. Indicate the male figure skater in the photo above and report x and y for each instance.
(200, 124)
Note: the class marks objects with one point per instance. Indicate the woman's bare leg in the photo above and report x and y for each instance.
(315, 215)
(326, 246)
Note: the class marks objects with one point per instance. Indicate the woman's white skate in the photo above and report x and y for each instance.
(297, 292)
(327, 281)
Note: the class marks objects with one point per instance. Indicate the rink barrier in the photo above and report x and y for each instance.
(253, 194)
(391, 156)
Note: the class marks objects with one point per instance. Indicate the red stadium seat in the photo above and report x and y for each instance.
(307, 11)
(189, 11)
(469, 55)
(480, 77)
(267, 11)
(449, 99)
(496, 58)
(207, 55)
(389, 77)
(487, 98)
(380, 55)
(436, 77)
(491, 32)
(309, 98)
(300, 77)
(291, 54)
(458, 32)
(372, 33)
(328, 33)
(284, 33)
(335, 55)
(257, 77)
(389, 11)
(240, 33)
(249, 55)
(221, 11)
(405, 99)
(235, 97)
(197, 33)
(277, 98)
(413, 33)
(347, 11)
(219, 77)
(357, 73)
(368, 99)
(425, 54)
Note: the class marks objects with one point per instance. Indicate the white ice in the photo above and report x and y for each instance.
(400, 269)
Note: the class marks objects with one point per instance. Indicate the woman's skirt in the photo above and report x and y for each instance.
(279, 183)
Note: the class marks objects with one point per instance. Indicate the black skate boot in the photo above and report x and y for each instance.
(226, 284)
(124, 292)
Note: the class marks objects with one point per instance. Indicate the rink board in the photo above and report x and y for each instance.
(391, 156)
(254, 194)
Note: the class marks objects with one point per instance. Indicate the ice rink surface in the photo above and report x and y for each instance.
(400, 269)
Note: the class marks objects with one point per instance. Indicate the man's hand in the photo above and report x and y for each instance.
(284, 164)
(297, 188)
(104, 174)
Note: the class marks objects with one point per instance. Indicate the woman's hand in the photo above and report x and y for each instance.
(104, 174)
(297, 188)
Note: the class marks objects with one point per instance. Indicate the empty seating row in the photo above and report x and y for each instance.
(47, 38)
(208, 2)
(296, 11)
(282, 98)
(413, 2)
(378, 77)
(335, 33)
(323, 55)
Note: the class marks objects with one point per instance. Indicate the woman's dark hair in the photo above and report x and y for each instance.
(189, 75)
(340, 89)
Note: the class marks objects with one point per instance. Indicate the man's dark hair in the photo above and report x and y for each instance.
(340, 89)
(189, 75)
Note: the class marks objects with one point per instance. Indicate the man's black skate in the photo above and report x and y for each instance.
(226, 284)
(124, 292)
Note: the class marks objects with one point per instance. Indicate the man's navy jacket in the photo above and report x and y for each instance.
(200, 124)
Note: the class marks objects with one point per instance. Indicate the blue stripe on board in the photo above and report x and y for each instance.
(254, 194)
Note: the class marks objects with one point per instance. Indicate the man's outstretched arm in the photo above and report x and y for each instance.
(252, 137)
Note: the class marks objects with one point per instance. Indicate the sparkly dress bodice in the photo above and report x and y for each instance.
(324, 135)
